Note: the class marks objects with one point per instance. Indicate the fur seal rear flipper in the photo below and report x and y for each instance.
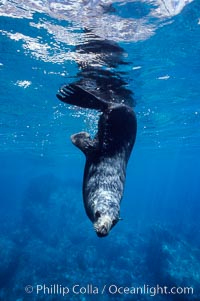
(107, 155)
(76, 95)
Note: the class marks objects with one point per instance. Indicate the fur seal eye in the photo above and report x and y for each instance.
(114, 222)
(97, 214)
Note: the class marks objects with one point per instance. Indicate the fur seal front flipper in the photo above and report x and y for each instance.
(83, 141)
(107, 156)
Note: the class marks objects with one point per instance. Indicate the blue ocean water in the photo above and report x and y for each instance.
(47, 243)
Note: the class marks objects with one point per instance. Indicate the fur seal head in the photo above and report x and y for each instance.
(106, 215)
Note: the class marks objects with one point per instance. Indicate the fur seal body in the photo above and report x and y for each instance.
(107, 156)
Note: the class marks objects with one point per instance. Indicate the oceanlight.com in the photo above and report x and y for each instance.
(113, 289)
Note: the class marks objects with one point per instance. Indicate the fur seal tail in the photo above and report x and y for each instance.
(76, 95)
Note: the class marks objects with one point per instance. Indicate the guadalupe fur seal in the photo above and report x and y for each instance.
(106, 155)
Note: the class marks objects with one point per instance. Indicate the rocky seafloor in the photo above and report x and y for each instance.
(52, 247)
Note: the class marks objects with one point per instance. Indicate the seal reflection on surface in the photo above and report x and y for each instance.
(107, 154)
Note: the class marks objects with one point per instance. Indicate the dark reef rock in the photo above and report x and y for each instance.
(55, 245)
